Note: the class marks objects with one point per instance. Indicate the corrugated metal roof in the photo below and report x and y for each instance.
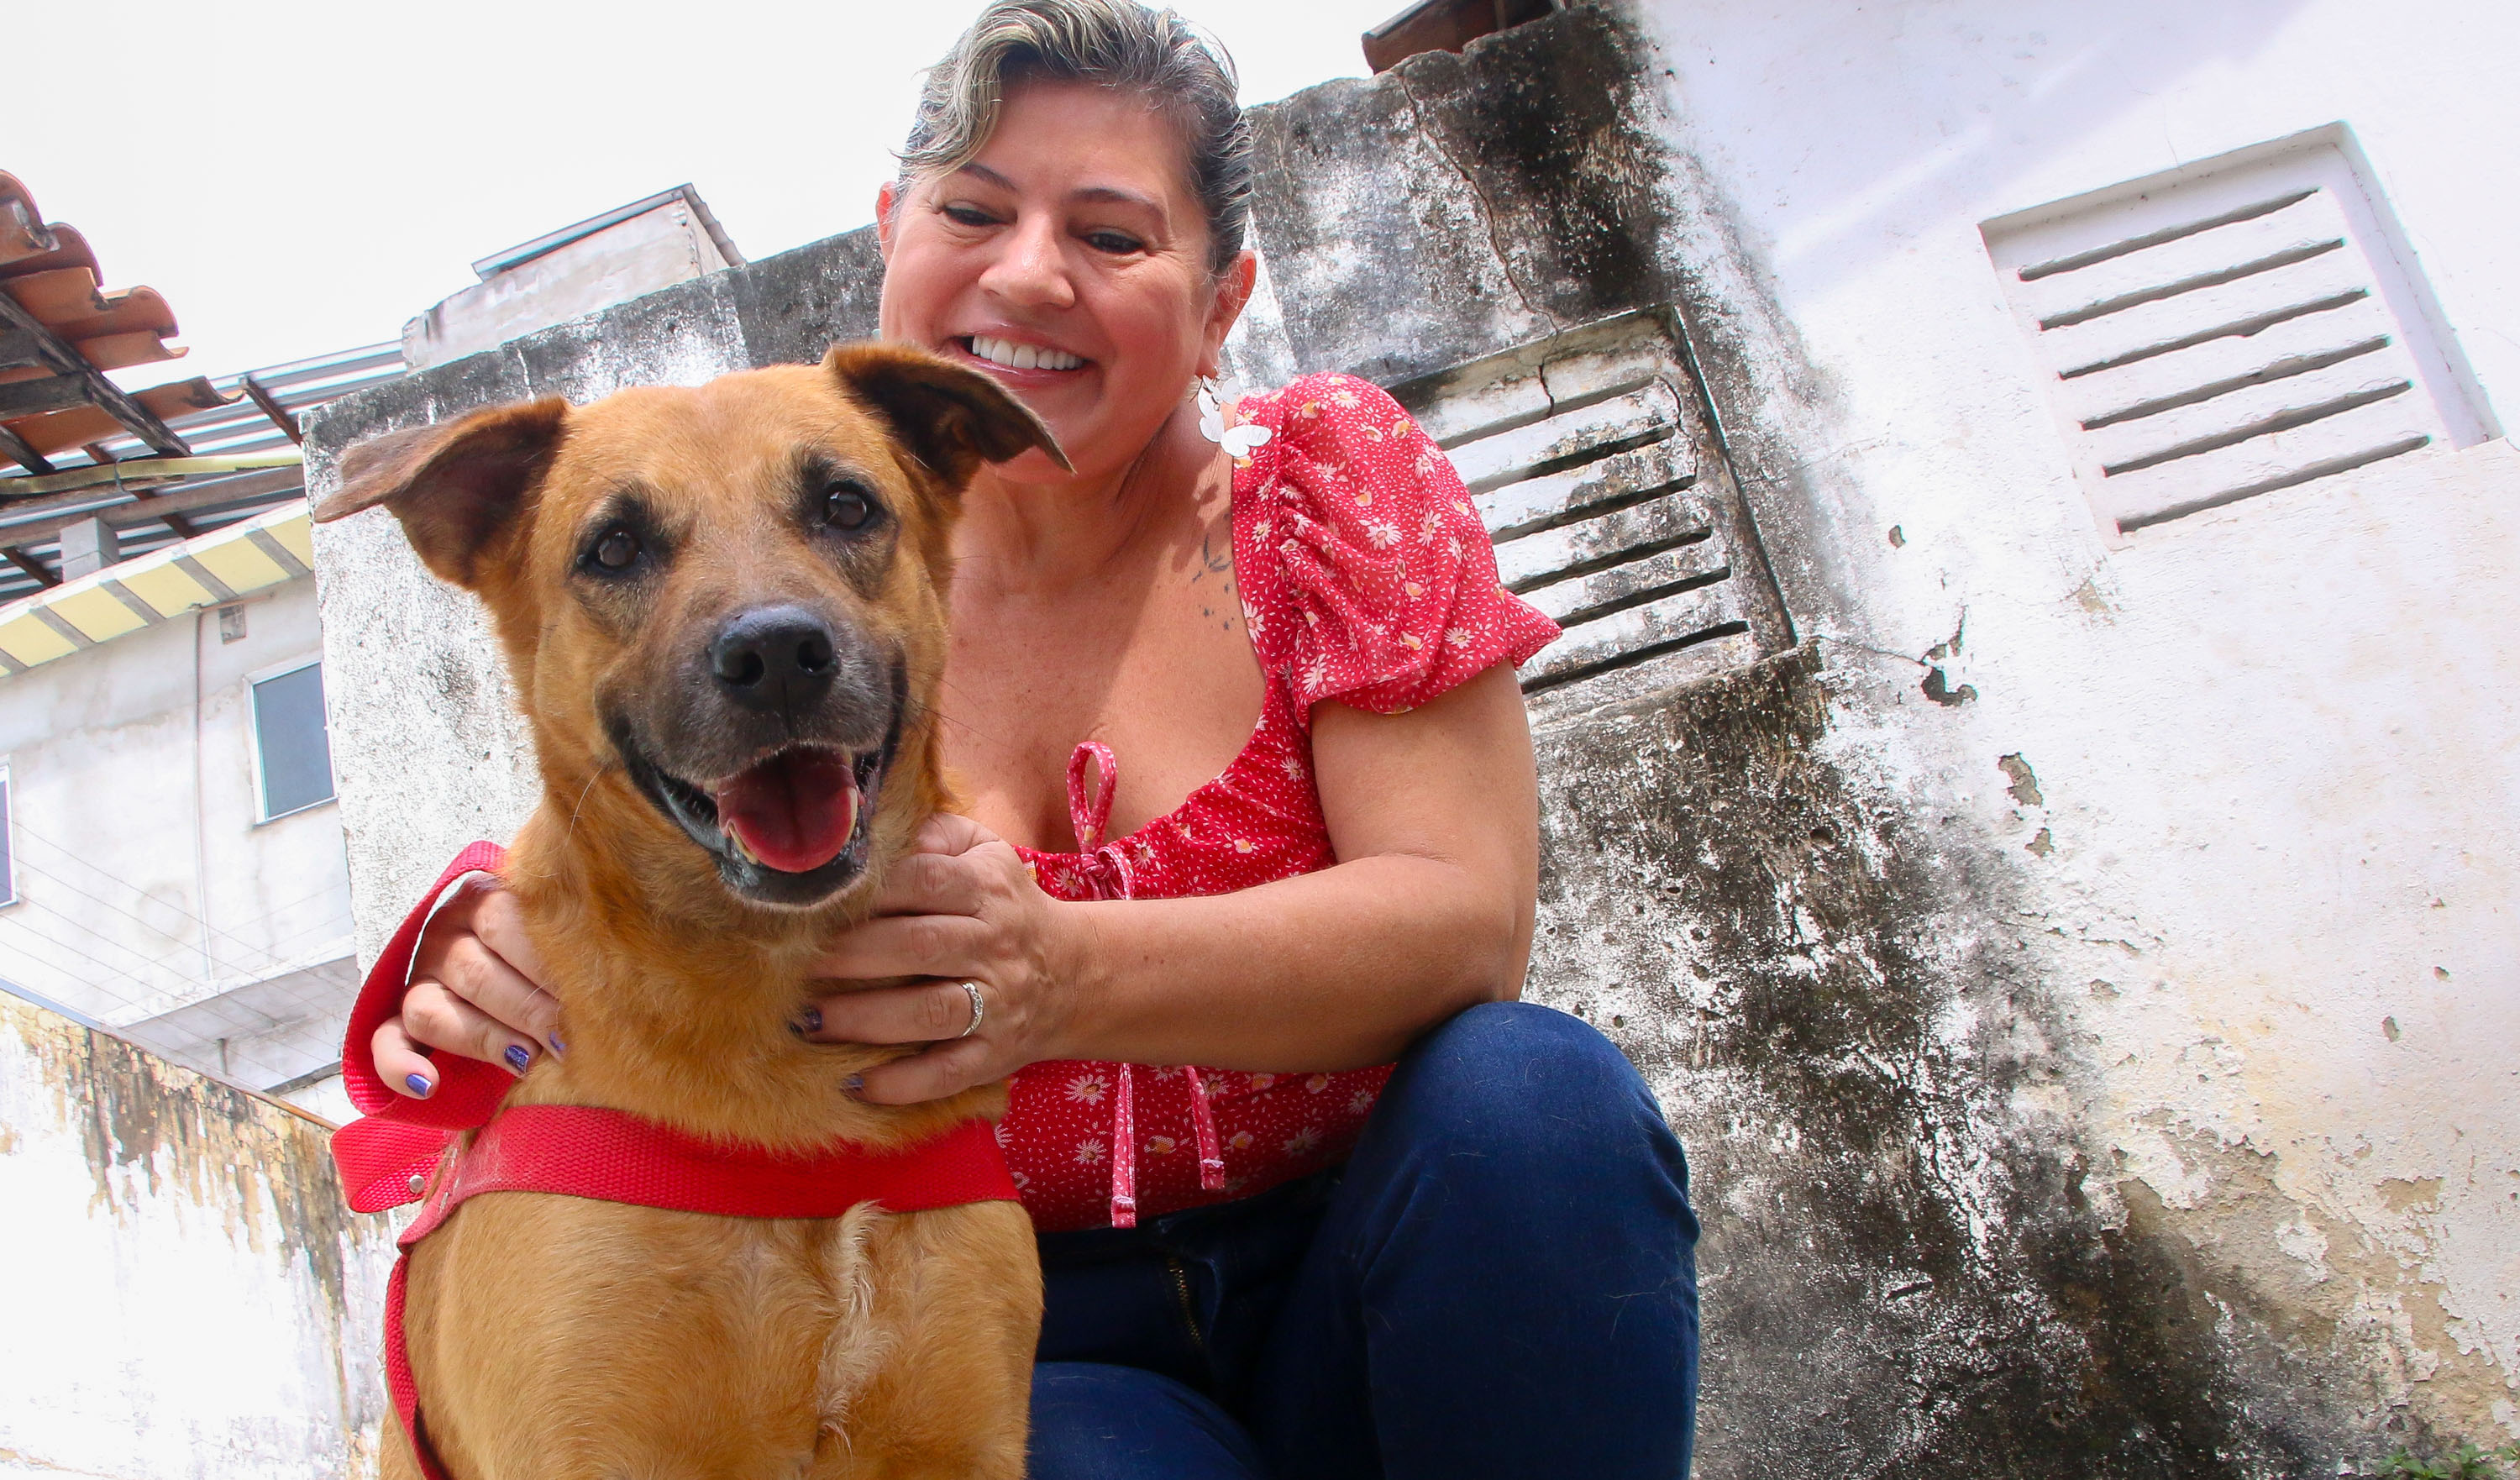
(251, 552)
(236, 425)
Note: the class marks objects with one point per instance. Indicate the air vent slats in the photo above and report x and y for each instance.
(1571, 437)
(1592, 466)
(1615, 482)
(1534, 560)
(2224, 332)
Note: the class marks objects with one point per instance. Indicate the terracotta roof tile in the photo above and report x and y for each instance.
(50, 270)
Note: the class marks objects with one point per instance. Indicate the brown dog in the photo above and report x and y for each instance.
(723, 608)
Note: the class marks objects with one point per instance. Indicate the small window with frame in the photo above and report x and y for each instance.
(293, 752)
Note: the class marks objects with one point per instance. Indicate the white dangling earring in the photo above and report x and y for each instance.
(1211, 417)
(1238, 440)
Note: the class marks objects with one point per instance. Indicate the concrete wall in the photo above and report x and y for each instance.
(2039, 950)
(2203, 962)
(146, 882)
(195, 1299)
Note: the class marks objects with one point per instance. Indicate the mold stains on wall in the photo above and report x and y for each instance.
(1905, 1265)
(230, 1197)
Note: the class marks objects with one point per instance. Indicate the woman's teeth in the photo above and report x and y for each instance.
(1023, 356)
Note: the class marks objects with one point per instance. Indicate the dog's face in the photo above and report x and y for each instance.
(727, 599)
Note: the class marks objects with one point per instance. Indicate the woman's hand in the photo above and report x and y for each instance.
(473, 991)
(964, 908)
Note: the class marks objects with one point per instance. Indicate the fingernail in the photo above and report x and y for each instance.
(420, 1085)
(557, 1045)
(517, 1059)
(853, 1083)
(810, 1020)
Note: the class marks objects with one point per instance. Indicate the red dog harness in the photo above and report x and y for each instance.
(402, 1150)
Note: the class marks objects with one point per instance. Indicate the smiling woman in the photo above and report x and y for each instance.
(1248, 815)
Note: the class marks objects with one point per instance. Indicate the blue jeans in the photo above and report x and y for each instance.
(1500, 1282)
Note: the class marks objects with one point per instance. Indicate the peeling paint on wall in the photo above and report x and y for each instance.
(207, 1301)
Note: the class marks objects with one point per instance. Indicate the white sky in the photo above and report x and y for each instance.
(299, 177)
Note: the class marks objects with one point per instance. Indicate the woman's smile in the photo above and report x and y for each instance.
(1070, 260)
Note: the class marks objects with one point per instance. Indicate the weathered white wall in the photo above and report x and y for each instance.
(144, 880)
(652, 250)
(187, 1294)
(2267, 869)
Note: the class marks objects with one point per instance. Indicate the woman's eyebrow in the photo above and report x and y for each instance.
(1096, 193)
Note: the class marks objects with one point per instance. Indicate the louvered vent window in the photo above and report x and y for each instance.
(1612, 508)
(2239, 325)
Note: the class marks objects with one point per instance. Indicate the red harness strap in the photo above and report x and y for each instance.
(581, 1152)
(402, 1150)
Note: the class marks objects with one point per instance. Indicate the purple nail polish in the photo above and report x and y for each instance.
(557, 1045)
(812, 1018)
(419, 1083)
(853, 1083)
(517, 1059)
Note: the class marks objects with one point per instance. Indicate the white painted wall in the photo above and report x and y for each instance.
(651, 251)
(2276, 747)
(195, 1299)
(144, 879)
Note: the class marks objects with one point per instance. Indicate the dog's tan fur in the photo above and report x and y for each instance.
(557, 1337)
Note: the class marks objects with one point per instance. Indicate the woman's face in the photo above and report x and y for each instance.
(1070, 262)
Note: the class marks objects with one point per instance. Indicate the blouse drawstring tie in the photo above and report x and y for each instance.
(1103, 866)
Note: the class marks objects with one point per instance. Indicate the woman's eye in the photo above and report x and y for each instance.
(617, 550)
(966, 215)
(1114, 242)
(847, 506)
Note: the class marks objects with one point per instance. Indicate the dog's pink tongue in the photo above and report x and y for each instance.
(794, 812)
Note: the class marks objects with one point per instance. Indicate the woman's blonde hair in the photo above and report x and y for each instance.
(1117, 44)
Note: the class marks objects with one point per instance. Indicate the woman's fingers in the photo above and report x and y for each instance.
(434, 1016)
(500, 924)
(925, 1012)
(932, 883)
(400, 1063)
(908, 945)
(485, 977)
(949, 1069)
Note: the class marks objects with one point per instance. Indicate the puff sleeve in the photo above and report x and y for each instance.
(1369, 576)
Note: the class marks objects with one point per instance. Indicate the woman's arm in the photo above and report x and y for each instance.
(1433, 815)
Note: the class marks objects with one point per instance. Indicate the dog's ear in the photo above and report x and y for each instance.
(951, 419)
(457, 488)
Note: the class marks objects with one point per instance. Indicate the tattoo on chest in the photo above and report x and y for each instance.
(1213, 564)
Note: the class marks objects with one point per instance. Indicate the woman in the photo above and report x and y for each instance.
(1297, 843)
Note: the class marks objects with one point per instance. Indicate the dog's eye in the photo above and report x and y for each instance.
(847, 505)
(617, 549)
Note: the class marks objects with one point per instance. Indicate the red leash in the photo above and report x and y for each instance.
(402, 1150)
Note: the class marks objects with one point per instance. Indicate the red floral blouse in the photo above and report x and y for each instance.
(1367, 577)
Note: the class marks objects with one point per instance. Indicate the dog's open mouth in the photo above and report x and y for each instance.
(793, 812)
(791, 829)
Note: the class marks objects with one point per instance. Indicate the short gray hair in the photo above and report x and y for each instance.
(1117, 44)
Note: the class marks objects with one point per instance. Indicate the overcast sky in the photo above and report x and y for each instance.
(301, 177)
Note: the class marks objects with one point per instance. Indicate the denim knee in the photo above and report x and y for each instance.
(1520, 1092)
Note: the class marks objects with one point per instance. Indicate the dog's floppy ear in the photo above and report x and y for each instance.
(457, 487)
(951, 419)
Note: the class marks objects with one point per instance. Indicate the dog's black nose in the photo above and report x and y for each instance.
(778, 659)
